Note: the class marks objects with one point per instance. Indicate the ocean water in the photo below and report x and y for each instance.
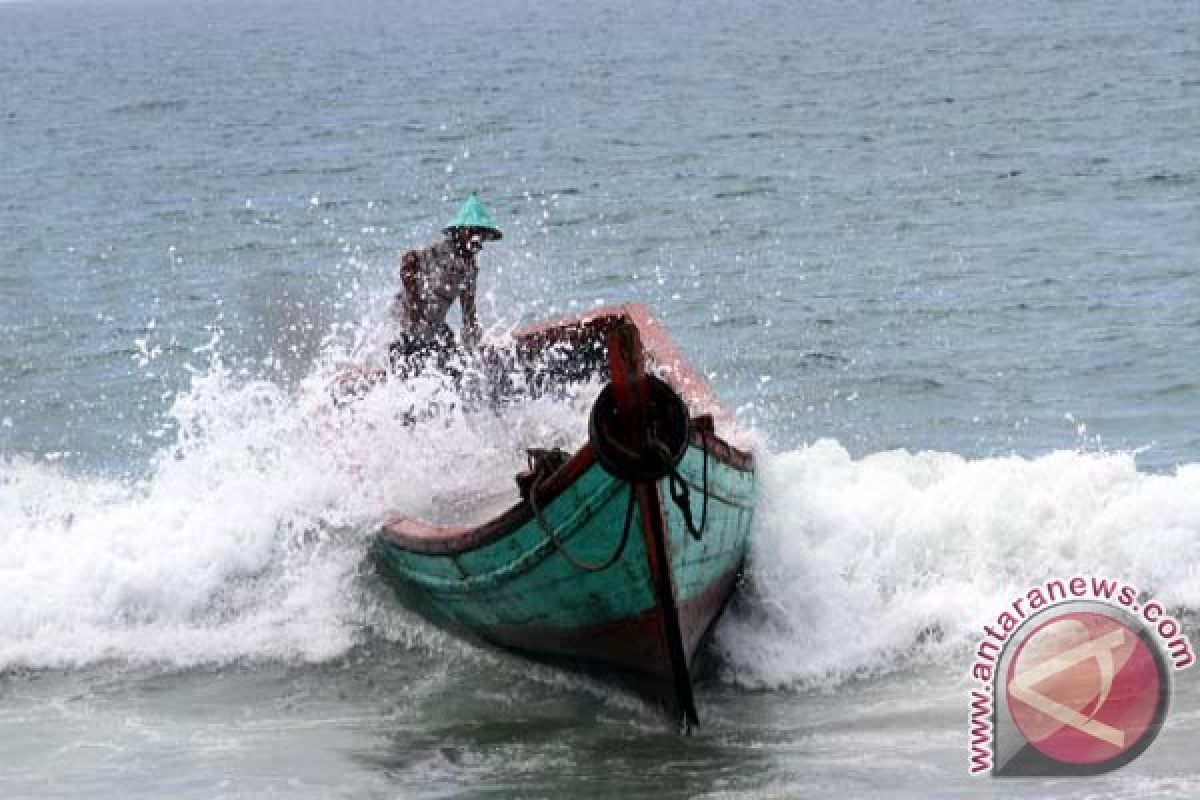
(938, 257)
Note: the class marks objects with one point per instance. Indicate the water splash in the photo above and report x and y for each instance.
(859, 566)
(247, 536)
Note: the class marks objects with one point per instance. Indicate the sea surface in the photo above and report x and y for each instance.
(940, 258)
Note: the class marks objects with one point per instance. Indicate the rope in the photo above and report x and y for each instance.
(680, 494)
(583, 566)
(679, 488)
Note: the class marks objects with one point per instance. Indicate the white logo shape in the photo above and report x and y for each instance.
(1102, 650)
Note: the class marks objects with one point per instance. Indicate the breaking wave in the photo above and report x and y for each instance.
(861, 565)
(247, 537)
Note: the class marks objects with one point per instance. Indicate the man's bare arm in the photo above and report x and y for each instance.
(471, 330)
(410, 279)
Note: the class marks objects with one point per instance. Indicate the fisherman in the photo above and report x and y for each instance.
(432, 279)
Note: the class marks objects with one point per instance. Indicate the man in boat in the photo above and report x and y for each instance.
(431, 280)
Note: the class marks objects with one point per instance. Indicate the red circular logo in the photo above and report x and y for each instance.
(1085, 688)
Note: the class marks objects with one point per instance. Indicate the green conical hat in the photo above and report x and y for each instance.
(472, 214)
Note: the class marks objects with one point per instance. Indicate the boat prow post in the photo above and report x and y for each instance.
(634, 394)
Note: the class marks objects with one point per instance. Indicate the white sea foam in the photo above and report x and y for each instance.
(248, 537)
(861, 564)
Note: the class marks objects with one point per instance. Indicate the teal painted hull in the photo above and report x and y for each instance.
(519, 590)
(625, 555)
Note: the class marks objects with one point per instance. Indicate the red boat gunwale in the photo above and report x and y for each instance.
(420, 537)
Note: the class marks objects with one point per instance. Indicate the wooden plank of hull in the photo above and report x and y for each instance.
(634, 644)
(420, 537)
(539, 591)
(519, 577)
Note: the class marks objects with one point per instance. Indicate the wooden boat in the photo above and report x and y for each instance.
(624, 554)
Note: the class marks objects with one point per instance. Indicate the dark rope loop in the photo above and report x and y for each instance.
(583, 566)
(679, 488)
